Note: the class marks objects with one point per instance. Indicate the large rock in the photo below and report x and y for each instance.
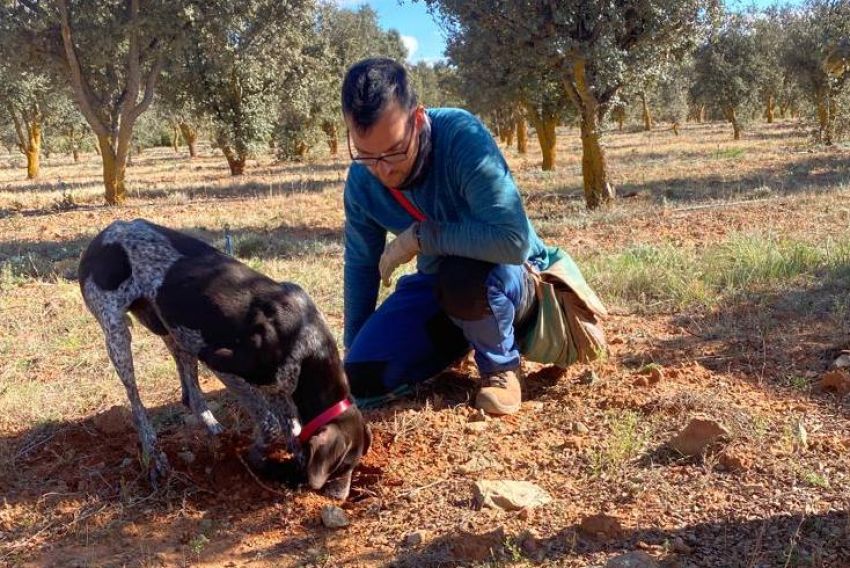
(698, 435)
(636, 559)
(509, 495)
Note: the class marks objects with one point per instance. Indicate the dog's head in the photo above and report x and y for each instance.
(334, 451)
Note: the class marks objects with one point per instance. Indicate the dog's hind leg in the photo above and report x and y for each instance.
(118, 345)
(193, 398)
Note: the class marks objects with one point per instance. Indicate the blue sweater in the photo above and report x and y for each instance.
(470, 201)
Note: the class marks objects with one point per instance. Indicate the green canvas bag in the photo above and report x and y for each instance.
(567, 326)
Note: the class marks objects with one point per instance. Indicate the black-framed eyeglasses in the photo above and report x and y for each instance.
(393, 158)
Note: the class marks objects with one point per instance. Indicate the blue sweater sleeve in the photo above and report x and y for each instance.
(364, 243)
(498, 231)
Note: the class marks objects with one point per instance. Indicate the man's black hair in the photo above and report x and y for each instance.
(370, 86)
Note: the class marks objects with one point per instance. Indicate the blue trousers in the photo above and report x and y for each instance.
(432, 320)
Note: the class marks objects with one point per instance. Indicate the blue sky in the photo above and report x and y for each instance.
(422, 35)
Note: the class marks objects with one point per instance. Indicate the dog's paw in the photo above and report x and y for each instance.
(158, 468)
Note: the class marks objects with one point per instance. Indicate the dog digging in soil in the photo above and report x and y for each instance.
(266, 341)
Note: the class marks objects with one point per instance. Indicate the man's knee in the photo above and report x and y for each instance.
(366, 378)
(462, 287)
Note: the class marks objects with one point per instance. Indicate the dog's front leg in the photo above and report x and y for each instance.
(266, 424)
(187, 367)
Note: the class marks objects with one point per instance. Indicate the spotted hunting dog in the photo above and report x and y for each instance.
(266, 341)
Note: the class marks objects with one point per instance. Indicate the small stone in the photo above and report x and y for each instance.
(186, 457)
(470, 547)
(698, 435)
(475, 427)
(843, 361)
(734, 460)
(580, 428)
(601, 524)
(478, 416)
(333, 517)
(588, 377)
(474, 465)
(415, 538)
(680, 546)
(636, 559)
(126, 462)
(509, 495)
(573, 442)
(837, 381)
(116, 420)
(529, 543)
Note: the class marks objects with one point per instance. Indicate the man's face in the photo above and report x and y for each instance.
(395, 136)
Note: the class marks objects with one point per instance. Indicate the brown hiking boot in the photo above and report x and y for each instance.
(500, 393)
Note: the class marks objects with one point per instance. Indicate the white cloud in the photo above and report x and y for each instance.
(411, 44)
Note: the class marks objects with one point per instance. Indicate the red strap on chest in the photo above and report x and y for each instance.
(406, 203)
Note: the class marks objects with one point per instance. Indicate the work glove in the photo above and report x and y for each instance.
(400, 251)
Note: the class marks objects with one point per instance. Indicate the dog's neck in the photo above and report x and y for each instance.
(324, 390)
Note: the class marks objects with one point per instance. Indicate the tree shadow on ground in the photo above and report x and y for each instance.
(48, 260)
(794, 539)
(814, 173)
(783, 340)
(77, 494)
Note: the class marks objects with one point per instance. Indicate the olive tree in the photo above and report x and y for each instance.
(109, 53)
(726, 72)
(592, 47)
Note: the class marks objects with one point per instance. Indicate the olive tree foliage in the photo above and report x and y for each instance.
(234, 66)
(726, 72)
(310, 109)
(815, 54)
(109, 52)
(768, 36)
(26, 99)
(510, 93)
(436, 84)
(591, 46)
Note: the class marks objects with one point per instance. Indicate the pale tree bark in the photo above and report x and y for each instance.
(770, 110)
(329, 127)
(190, 135)
(826, 117)
(647, 116)
(521, 131)
(113, 136)
(235, 160)
(175, 137)
(544, 127)
(598, 190)
(28, 128)
(732, 117)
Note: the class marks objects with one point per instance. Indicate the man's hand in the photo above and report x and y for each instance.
(400, 251)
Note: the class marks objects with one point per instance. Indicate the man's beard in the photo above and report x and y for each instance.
(423, 158)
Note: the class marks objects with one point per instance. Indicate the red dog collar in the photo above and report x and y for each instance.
(310, 428)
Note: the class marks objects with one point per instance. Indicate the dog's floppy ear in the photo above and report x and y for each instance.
(324, 453)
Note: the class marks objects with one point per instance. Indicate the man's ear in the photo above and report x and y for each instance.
(325, 451)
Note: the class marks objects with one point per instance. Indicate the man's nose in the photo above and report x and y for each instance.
(385, 168)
